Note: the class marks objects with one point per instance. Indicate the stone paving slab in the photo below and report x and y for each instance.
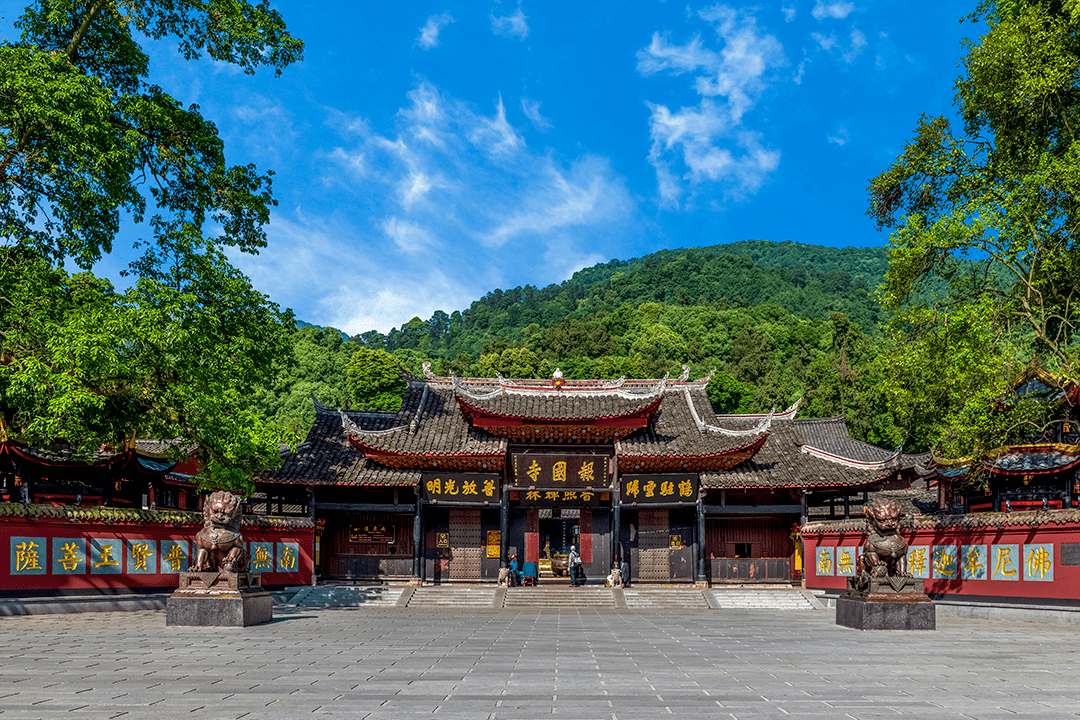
(389, 664)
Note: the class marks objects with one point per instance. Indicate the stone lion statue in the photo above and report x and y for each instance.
(220, 546)
(885, 550)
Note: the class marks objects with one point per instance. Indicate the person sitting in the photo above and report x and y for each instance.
(516, 576)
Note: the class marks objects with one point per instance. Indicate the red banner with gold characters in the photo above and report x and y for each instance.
(555, 471)
(658, 489)
(475, 488)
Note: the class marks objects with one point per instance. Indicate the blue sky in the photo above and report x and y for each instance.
(428, 152)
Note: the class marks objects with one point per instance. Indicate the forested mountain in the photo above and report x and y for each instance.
(807, 280)
(778, 321)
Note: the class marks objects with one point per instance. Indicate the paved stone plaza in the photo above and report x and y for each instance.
(403, 663)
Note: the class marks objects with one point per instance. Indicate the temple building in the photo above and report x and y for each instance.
(470, 470)
(1039, 470)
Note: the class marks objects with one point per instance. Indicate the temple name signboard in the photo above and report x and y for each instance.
(646, 489)
(562, 471)
(472, 488)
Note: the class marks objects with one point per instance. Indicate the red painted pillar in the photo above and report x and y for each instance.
(532, 536)
(585, 534)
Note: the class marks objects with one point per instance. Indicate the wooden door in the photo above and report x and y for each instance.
(653, 545)
(465, 544)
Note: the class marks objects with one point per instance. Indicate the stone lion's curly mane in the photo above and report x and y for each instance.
(231, 502)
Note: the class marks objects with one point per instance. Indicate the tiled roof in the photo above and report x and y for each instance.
(970, 521)
(327, 457)
(430, 423)
(545, 403)
(686, 426)
(782, 463)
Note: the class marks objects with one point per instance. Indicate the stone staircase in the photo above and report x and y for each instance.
(562, 597)
(347, 596)
(755, 599)
(453, 597)
(644, 598)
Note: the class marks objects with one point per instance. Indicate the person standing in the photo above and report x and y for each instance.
(624, 570)
(574, 563)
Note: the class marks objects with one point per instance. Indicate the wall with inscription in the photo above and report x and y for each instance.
(1015, 561)
(44, 554)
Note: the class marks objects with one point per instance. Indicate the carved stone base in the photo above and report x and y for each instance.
(911, 611)
(210, 599)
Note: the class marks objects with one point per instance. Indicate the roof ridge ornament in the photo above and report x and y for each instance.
(354, 431)
(761, 427)
(789, 413)
(460, 389)
(685, 374)
(430, 375)
(890, 462)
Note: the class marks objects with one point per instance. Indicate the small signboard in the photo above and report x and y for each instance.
(494, 543)
(643, 489)
(472, 488)
(559, 498)
(442, 540)
(381, 534)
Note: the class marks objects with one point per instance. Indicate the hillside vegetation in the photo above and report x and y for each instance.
(778, 321)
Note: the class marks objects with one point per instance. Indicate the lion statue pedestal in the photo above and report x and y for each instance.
(882, 595)
(218, 591)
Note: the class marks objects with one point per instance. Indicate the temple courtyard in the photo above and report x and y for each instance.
(374, 662)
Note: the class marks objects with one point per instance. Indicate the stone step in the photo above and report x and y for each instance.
(347, 597)
(661, 598)
(760, 599)
(559, 597)
(452, 597)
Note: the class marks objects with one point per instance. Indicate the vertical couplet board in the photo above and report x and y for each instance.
(653, 545)
(466, 544)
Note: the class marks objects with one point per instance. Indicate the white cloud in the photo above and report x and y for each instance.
(561, 199)
(495, 136)
(443, 188)
(840, 138)
(408, 236)
(829, 42)
(512, 26)
(789, 13)
(268, 124)
(837, 10)
(532, 111)
(858, 42)
(709, 142)
(799, 72)
(429, 33)
(825, 42)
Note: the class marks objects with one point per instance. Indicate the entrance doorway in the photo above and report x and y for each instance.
(559, 529)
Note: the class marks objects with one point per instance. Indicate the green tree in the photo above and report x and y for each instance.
(83, 364)
(728, 395)
(82, 131)
(994, 210)
(320, 359)
(987, 216)
(374, 380)
(86, 140)
(510, 363)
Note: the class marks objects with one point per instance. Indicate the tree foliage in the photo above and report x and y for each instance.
(86, 366)
(984, 255)
(374, 381)
(85, 141)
